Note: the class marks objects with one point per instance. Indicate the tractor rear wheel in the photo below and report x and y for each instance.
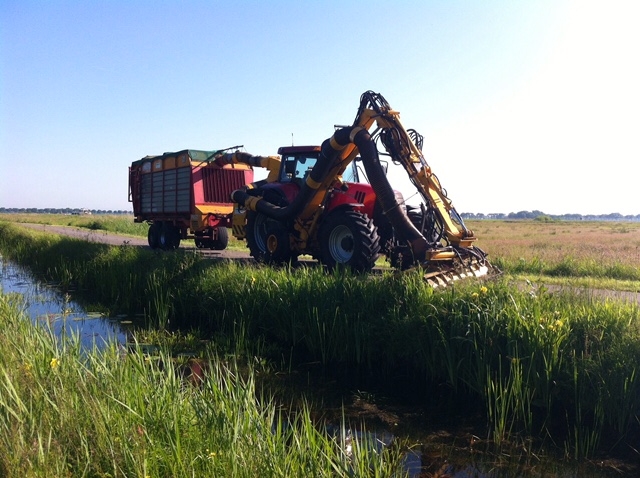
(349, 238)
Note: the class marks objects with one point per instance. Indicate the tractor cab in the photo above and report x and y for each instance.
(297, 162)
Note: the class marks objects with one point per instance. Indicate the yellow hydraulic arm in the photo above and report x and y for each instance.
(404, 147)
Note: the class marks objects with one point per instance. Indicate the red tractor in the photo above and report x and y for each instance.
(345, 226)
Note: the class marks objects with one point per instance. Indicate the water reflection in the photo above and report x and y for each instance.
(45, 305)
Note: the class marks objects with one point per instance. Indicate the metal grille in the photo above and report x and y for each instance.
(218, 184)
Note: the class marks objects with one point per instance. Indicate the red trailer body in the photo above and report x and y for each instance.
(185, 195)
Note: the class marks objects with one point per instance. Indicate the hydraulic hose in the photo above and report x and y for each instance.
(384, 192)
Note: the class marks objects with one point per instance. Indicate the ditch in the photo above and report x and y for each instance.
(435, 447)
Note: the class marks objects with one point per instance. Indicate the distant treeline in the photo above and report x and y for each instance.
(538, 215)
(541, 216)
(54, 210)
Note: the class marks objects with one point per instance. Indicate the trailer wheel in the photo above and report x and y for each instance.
(349, 238)
(153, 236)
(221, 243)
(169, 237)
(175, 237)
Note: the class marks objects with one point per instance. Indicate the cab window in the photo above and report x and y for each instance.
(297, 167)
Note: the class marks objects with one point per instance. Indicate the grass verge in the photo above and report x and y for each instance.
(562, 367)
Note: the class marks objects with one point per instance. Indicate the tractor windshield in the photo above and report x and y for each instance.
(297, 167)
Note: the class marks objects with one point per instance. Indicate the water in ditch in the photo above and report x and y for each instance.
(47, 306)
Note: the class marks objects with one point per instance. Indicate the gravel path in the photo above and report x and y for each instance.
(119, 239)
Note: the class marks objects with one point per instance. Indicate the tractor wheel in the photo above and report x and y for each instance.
(278, 247)
(257, 234)
(153, 236)
(169, 237)
(428, 226)
(349, 238)
(220, 244)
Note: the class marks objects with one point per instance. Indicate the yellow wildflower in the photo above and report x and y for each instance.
(483, 290)
(54, 362)
(211, 454)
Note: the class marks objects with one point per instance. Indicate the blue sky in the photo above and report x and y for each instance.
(523, 104)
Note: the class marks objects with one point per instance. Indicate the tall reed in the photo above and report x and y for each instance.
(71, 412)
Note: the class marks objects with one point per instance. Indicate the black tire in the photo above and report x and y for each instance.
(257, 225)
(176, 237)
(153, 236)
(428, 226)
(221, 243)
(169, 238)
(278, 247)
(349, 238)
(401, 255)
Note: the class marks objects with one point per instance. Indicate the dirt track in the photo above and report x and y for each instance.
(118, 240)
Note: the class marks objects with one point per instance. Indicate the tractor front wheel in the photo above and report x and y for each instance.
(257, 234)
(278, 245)
(349, 238)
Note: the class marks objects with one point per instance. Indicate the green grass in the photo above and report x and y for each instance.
(116, 224)
(561, 367)
(570, 267)
(71, 412)
(119, 224)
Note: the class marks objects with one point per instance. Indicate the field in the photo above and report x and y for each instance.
(593, 254)
(549, 370)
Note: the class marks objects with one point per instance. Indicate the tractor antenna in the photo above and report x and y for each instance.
(291, 139)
